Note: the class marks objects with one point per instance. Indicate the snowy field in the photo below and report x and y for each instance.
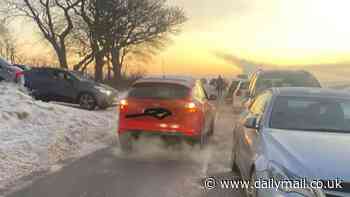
(34, 136)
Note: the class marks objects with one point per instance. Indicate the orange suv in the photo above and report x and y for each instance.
(167, 107)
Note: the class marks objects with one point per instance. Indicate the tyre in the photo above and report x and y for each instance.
(125, 142)
(103, 107)
(87, 101)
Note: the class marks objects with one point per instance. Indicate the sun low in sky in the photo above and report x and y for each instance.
(283, 32)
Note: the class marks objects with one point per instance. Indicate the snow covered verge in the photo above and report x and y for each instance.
(34, 136)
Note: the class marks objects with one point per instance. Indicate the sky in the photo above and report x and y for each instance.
(283, 32)
(279, 32)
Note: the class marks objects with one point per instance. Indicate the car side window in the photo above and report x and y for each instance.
(58, 75)
(258, 107)
(40, 73)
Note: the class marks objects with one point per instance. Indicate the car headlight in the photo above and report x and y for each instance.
(291, 183)
(104, 91)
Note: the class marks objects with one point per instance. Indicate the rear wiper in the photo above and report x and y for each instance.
(159, 113)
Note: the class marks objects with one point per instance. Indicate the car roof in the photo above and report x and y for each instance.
(173, 79)
(4, 62)
(282, 72)
(310, 92)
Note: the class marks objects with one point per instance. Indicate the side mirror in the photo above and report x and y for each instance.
(212, 97)
(251, 123)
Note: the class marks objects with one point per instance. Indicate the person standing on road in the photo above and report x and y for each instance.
(220, 85)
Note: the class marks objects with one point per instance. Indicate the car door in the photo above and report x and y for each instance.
(64, 88)
(39, 81)
(249, 138)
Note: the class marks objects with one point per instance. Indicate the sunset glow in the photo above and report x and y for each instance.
(279, 32)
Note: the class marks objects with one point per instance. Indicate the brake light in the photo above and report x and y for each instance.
(123, 104)
(191, 107)
(18, 76)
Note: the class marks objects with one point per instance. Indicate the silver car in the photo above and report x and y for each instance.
(295, 135)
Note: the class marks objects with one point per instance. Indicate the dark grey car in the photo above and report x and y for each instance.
(51, 84)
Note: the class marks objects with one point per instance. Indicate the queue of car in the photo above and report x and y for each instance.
(59, 85)
(293, 130)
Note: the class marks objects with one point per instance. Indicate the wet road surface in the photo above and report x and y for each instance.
(151, 171)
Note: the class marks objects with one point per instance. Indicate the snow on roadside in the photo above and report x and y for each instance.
(35, 135)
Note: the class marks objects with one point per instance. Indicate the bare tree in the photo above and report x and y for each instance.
(145, 23)
(118, 27)
(7, 43)
(53, 19)
(97, 16)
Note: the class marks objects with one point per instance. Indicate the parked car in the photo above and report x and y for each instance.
(264, 79)
(23, 67)
(52, 84)
(170, 107)
(291, 134)
(232, 87)
(10, 73)
(240, 96)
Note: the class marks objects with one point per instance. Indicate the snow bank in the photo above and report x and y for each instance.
(35, 135)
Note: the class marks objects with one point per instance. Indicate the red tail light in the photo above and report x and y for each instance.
(191, 107)
(19, 74)
(123, 104)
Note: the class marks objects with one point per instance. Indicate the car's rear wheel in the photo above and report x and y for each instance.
(87, 101)
(103, 107)
(125, 142)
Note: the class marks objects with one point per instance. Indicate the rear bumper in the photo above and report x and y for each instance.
(161, 132)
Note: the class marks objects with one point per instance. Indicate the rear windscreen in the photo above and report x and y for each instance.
(159, 91)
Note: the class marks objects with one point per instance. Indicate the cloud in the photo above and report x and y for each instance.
(247, 66)
(326, 73)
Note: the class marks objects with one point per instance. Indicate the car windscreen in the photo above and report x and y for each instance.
(311, 114)
(286, 79)
(159, 91)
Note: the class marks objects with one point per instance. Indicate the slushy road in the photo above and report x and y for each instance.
(152, 171)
